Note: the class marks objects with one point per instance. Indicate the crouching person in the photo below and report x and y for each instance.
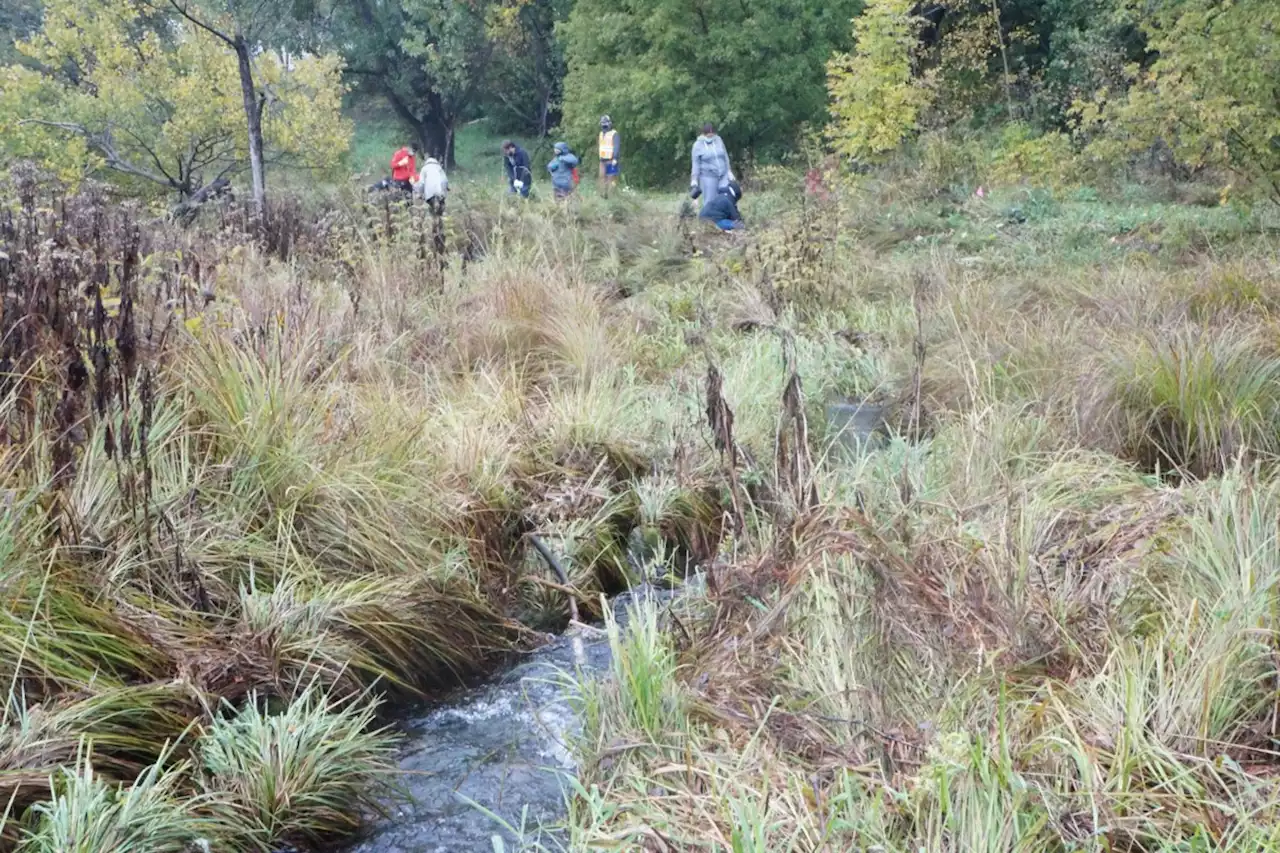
(515, 163)
(723, 209)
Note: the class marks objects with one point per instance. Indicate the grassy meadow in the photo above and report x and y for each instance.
(1043, 616)
(260, 494)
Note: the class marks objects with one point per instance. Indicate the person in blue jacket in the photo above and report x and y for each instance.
(561, 169)
(515, 162)
(723, 209)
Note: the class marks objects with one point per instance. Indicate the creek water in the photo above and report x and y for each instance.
(498, 756)
(504, 746)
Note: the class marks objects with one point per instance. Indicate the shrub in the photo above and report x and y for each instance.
(1045, 160)
(1191, 401)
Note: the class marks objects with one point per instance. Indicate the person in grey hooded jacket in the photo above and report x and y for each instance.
(561, 169)
(711, 169)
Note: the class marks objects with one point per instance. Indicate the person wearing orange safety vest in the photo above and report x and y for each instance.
(403, 172)
(610, 149)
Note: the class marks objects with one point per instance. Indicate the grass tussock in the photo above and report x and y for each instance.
(89, 813)
(302, 774)
(1188, 401)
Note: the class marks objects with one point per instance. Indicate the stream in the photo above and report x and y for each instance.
(505, 747)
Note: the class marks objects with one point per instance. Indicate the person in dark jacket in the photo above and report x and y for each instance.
(515, 162)
(723, 209)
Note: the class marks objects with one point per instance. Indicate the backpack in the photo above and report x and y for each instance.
(576, 177)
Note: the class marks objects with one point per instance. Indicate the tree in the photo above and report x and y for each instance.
(248, 29)
(18, 20)
(876, 100)
(438, 62)
(426, 58)
(1087, 46)
(153, 99)
(988, 61)
(1212, 95)
(449, 40)
(661, 68)
(527, 69)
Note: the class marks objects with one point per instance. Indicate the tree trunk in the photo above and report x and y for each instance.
(253, 115)
(435, 132)
(436, 138)
(439, 128)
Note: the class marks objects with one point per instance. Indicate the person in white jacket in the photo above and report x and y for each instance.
(433, 185)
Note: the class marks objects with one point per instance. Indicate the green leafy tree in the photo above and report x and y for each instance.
(154, 100)
(439, 62)
(662, 67)
(876, 99)
(523, 88)
(986, 62)
(1087, 44)
(1212, 95)
(427, 59)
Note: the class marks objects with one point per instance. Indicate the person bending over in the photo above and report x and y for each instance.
(562, 171)
(515, 162)
(403, 171)
(723, 209)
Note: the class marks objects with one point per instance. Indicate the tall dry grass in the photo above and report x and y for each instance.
(253, 488)
(1044, 620)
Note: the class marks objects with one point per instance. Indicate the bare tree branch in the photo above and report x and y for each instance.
(155, 158)
(181, 9)
(102, 143)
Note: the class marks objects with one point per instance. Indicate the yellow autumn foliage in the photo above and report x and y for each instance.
(875, 102)
(157, 103)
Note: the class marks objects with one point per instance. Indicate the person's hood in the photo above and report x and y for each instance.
(562, 147)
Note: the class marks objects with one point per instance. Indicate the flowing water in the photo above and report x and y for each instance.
(857, 426)
(504, 746)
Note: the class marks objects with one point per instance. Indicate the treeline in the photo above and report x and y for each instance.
(147, 90)
(1085, 86)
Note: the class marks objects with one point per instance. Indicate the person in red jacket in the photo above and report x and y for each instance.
(403, 169)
